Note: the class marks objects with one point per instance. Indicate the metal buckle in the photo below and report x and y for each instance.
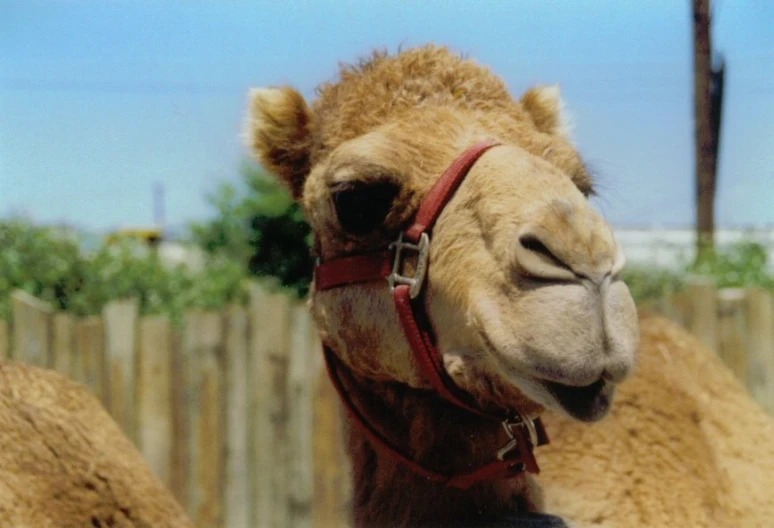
(423, 250)
(509, 426)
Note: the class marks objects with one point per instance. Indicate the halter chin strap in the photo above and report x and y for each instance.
(524, 433)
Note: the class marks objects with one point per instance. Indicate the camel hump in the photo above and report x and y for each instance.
(64, 461)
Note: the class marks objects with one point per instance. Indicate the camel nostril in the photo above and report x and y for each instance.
(535, 245)
(536, 259)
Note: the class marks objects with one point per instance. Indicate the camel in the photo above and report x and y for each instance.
(64, 463)
(512, 283)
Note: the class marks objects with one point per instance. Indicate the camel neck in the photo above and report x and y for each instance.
(440, 437)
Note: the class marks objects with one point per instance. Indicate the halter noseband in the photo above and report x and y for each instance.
(524, 433)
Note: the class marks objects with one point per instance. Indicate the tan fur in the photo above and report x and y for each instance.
(544, 106)
(279, 132)
(510, 318)
(64, 463)
(685, 445)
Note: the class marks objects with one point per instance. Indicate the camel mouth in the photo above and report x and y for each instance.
(588, 403)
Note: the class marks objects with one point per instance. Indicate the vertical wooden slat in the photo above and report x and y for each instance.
(31, 329)
(154, 396)
(332, 475)
(90, 339)
(676, 306)
(64, 350)
(180, 455)
(203, 354)
(300, 412)
(237, 499)
(4, 344)
(120, 319)
(269, 327)
(703, 312)
(760, 346)
(732, 330)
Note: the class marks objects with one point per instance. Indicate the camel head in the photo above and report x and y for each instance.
(523, 291)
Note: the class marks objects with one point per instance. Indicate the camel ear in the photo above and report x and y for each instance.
(278, 131)
(545, 106)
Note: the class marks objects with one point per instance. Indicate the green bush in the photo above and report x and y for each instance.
(41, 261)
(651, 283)
(744, 264)
(740, 265)
(261, 228)
(47, 263)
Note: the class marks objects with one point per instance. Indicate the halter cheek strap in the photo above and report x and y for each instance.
(524, 433)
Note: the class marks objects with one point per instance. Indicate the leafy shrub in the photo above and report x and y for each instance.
(651, 283)
(42, 261)
(47, 263)
(262, 228)
(744, 264)
(740, 265)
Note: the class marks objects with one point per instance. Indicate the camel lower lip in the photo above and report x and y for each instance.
(587, 403)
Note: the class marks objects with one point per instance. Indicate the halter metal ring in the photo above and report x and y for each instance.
(509, 426)
(423, 251)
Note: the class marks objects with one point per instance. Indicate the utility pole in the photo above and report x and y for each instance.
(708, 98)
(158, 205)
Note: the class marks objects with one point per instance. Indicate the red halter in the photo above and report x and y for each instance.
(524, 433)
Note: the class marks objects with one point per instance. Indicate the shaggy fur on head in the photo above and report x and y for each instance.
(283, 131)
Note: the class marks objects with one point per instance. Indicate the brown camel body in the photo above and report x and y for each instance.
(64, 463)
(526, 304)
(684, 445)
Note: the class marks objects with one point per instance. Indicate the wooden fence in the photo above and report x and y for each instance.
(233, 411)
(736, 324)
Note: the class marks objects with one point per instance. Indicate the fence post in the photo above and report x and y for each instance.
(121, 353)
(90, 338)
(332, 472)
(203, 354)
(237, 498)
(703, 312)
(267, 368)
(4, 346)
(676, 307)
(31, 329)
(731, 322)
(301, 369)
(64, 350)
(154, 396)
(179, 484)
(760, 346)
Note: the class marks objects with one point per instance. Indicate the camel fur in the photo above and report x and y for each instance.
(526, 302)
(64, 463)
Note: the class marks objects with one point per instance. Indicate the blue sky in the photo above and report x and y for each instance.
(101, 100)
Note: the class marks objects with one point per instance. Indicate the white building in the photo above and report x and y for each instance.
(676, 247)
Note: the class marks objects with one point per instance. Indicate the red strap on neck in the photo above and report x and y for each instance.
(498, 469)
(352, 270)
(418, 331)
(418, 334)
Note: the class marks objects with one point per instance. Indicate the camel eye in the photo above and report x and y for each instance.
(362, 207)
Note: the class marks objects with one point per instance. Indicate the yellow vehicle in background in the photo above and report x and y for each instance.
(150, 236)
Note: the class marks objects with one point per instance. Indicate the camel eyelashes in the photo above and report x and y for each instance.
(362, 207)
